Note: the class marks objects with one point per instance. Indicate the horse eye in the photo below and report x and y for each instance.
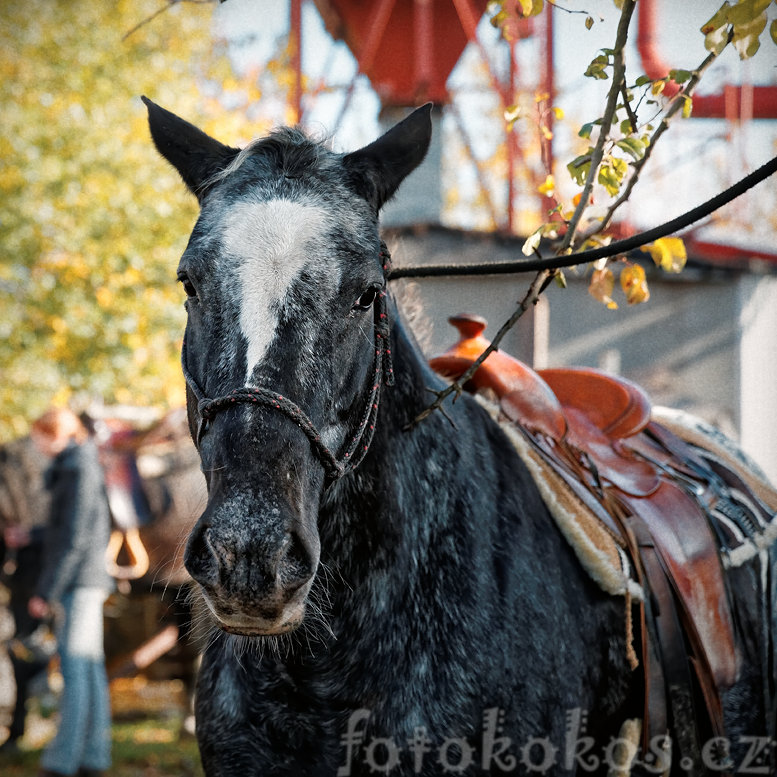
(188, 286)
(366, 300)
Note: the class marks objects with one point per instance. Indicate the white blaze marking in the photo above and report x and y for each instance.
(272, 241)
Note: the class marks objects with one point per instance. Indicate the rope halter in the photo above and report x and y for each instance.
(356, 447)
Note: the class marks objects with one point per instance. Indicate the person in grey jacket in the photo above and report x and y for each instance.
(74, 584)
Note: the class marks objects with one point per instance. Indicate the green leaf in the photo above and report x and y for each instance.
(746, 11)
(609, 179)
(579, 167)
(632, 146)
(642, 80)
(612, 173)
(620, 166)
(597, 67)
(773, 30)
(585, 130)
(680, 76)
(747, 36)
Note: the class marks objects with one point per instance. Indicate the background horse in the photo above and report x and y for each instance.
(24, 508)
(383, 597)
(171, 491)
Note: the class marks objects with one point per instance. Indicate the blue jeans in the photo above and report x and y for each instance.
(83, 738)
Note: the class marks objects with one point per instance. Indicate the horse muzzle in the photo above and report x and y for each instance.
(255, 573)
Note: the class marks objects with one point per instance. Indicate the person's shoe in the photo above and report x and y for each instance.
(49, 773)
(90, 773)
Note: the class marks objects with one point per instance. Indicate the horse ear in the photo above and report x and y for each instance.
(378, 169)
(195, 155)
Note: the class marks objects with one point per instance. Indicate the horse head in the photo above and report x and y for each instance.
(285, 347)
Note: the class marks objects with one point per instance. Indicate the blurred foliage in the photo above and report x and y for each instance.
(92, 221)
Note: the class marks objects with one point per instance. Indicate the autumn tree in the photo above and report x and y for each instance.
(90, 224)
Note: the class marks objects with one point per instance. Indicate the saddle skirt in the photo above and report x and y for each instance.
(650, 501)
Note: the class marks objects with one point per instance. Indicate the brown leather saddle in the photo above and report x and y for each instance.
(654, 491)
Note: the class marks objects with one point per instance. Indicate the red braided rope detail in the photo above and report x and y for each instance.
(267, 398)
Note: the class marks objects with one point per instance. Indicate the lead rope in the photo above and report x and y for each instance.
(357, 449)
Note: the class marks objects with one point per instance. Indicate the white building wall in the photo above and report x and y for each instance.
(758, 370)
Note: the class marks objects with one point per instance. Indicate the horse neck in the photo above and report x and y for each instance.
(392, 498)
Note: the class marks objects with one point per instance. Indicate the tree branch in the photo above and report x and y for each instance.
(159, 12)
(562, 258)
(582, 257)
(618, 77)
(530, 299)
(627, 105)
(677, 103)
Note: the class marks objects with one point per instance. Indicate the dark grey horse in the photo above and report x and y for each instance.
(382, 600)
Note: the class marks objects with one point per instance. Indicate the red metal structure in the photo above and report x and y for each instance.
(743, 101)
(407, 48)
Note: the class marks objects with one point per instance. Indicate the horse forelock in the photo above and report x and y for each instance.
(287, 151)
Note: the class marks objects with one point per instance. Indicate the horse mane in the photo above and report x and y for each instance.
(410, 305)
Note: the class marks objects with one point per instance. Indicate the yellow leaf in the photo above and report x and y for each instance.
(601, 287)
(668, 253)
(658, 87)
(530, 7)
(548, 187)
(558, 112)
(634, 284)
(511, 114)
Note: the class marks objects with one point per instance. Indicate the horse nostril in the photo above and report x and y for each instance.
(297, 565)
(200, 558)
